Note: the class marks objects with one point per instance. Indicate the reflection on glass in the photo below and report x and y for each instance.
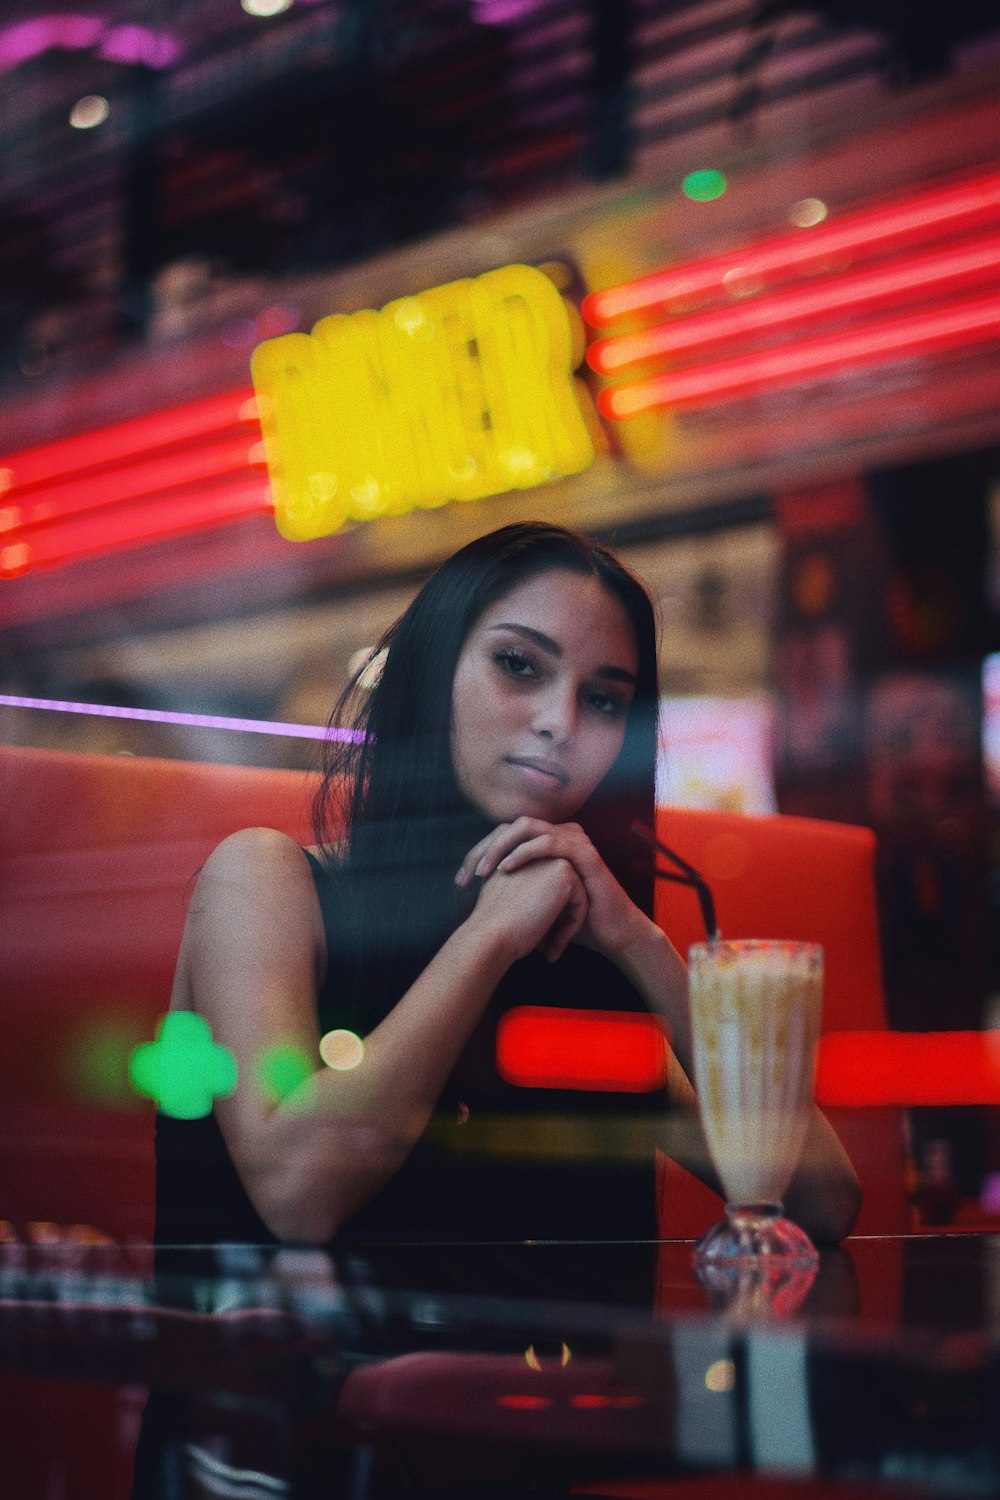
(756, 1289)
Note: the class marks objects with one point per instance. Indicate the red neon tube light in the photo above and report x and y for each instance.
(957, 326)
(872, 1068)
(540, 1046)
(942, 210)
(864, 289)
(110, 445)
(138, 481)
(132, 526)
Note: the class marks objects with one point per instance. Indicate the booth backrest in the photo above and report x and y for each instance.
(784, 877)
(98, 855)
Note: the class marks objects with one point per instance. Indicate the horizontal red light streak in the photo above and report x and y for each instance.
(140, 480)
(132, 526)
(871, 1068)
(919, 218)
(140, 435)
(183, 469)
(543, 1047)
(959, 325)
(864, 289)
(600, 1050)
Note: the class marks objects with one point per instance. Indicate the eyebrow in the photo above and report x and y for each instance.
(553, 648)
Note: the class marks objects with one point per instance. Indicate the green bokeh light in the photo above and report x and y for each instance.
(183, 1070)
(96, 1061)
(704, 185)
(281, 1070)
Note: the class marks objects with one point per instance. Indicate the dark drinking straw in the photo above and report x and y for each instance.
(688, 876)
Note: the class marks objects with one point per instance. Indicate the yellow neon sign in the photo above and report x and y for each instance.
(463, 391)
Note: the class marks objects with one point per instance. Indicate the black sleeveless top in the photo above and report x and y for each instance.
(497, 1162)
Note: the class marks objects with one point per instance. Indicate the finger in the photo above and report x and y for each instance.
(558, 842)
(481, 861)
(559, 939)
(554, 840)
(467, 868)
(569, 922)
(546, 846)
(555, 946)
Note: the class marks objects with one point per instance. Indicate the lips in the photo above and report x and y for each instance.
(540, 766)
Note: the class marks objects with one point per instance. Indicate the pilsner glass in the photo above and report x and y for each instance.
(755, 1015)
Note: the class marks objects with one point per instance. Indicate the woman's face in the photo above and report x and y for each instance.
(540, 697)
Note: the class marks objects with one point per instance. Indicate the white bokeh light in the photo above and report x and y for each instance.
(265, 8)
(91, 110)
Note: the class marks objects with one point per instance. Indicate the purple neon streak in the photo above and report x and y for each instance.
(196, 721)
(137, 44)
(27, 39)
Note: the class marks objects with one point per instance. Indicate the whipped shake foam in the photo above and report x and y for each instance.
(755, 1015)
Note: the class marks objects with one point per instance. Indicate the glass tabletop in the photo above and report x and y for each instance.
(581, 1363)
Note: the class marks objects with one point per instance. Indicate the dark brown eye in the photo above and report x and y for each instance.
(606, 703)
(514, 662)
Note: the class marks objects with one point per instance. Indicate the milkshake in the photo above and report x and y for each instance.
(755, 1017)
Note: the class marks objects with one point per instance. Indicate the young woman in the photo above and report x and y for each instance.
(473, 854)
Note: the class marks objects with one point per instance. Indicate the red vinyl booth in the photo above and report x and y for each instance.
(98, 855)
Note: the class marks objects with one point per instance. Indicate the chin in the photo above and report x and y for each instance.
(507, 804)
(544, 809)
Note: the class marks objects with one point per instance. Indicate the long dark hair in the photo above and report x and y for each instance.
(389, 794)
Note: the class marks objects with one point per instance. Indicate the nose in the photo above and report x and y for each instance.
(555, 715)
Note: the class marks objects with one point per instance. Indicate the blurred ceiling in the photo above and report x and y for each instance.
(245, 152)
(248, 164)
(256, 145)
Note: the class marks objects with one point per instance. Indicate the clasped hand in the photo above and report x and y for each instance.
(551, 879)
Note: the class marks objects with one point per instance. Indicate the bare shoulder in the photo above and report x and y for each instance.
(258, 868)
(255, 848)
(254, 913)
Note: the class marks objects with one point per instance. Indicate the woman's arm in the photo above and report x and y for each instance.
(252, 961)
